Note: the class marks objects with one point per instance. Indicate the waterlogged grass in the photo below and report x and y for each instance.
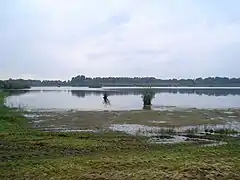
(225, 131)
(29, 154)
(102, 119)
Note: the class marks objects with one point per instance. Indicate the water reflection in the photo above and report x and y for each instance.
(16, 92)
(123, 99)
(82, 93)
(209, 92)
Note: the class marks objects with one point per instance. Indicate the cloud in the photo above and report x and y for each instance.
(59, 39)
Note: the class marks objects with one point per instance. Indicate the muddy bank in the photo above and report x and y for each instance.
(159, 126)
(188, 118)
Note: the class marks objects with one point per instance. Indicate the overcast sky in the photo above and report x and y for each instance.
(58, 39)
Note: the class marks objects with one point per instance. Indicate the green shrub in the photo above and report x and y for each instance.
(147, 97)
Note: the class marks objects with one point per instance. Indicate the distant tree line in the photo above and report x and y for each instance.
(82, 80)
(14, 84)
(151, 81)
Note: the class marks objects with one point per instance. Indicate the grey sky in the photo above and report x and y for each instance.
(58, 39)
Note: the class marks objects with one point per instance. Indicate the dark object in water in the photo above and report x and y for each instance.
(147, 98)
(105, 99)
(105, 96)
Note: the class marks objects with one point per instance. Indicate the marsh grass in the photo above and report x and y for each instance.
(226, 131)
(168, 131)
(192, 131)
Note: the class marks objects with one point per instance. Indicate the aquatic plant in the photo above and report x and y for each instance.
(147, 97)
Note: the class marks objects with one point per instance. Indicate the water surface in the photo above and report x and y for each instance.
(84, 98)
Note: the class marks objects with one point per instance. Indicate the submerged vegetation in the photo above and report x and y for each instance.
(26, 153)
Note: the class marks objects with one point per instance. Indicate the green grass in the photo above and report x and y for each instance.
(226, 131)
(29, 154)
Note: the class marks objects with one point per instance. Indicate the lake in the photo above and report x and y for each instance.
(90, 99)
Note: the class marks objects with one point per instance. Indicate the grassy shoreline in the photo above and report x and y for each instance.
(30, 154)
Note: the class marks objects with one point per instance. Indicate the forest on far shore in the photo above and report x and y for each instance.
(82, 80)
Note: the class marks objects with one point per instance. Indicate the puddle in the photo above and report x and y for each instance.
(219, 143)
(136, 129)
(78, 130)
(167, 140)
(164, 108)
(158, 122)
(38, 121)
(232, 116)
(228, 112)
(67, 130)
(180, 139)
(165, 135)
(31, 115)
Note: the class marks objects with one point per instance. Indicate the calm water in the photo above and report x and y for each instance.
(63, 98)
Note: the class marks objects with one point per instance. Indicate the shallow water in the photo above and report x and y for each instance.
(137, 129)
(168, 140)
(67, 130)
(156, 130)
(67, 98)
(166, 135)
